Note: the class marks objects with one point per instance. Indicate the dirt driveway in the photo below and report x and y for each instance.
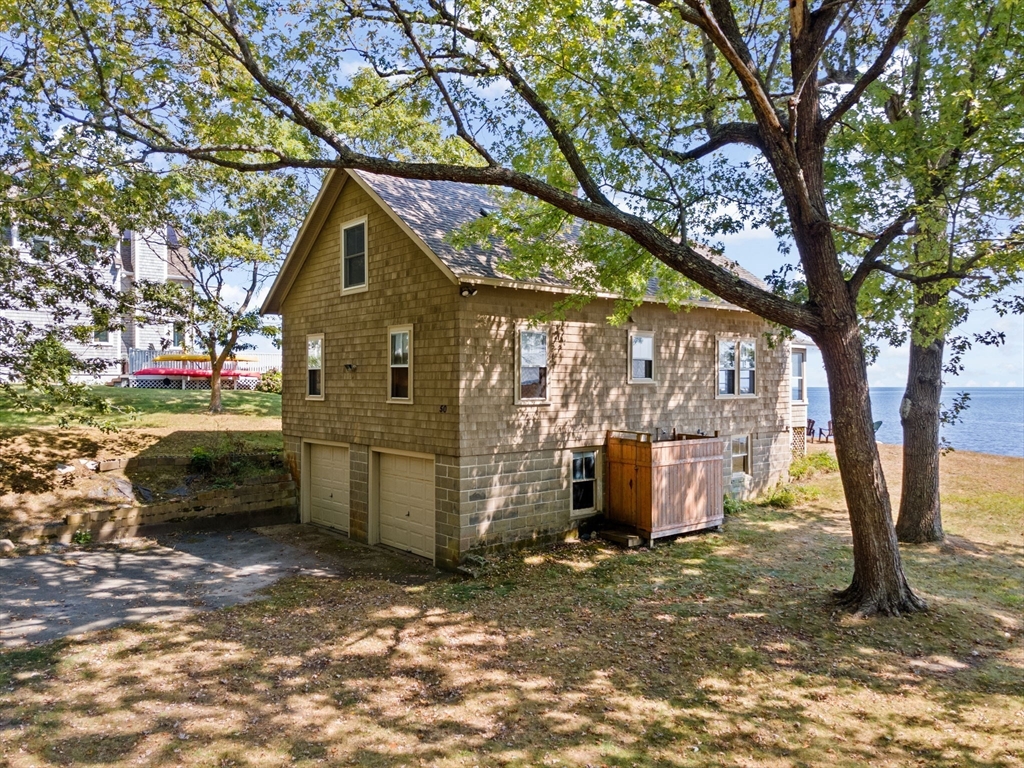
(45, 597)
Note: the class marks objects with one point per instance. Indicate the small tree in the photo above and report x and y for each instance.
(234, 230)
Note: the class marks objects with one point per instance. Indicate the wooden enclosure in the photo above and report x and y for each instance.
(663, 488)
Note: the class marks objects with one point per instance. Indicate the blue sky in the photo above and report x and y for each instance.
(983, 366)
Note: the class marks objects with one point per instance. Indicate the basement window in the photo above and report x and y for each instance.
(741, 454)
(584, 481)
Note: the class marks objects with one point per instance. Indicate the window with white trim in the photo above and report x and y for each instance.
(584, 481)
(6, 233)
(641, 356)
(400, 364)
(315, 367)
(797, 376)
(101, 336)
(737, 368)
(740, 454)
(178, 339)
(353, 256)
(533, 364)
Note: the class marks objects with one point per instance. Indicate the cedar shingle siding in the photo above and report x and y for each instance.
(502, 470)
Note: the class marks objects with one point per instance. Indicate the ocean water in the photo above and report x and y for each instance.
(994, 422)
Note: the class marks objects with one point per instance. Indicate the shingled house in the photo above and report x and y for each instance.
(424, 411)
(151, 256)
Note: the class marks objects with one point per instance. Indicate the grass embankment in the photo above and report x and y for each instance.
(163, 423)
(717, 649)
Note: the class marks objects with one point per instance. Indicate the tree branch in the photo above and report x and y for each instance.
(875, 71)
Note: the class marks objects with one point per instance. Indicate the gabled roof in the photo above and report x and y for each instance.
(429, 212)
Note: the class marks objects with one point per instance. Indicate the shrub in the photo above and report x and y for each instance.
(812, 464)
(270, 382)
(733, 506)
(782, 497)
(82, 536)
(202, 460)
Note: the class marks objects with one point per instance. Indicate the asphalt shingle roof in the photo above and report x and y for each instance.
(435, 209)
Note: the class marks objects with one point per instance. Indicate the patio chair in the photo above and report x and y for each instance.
(810, 429)
(825, 433)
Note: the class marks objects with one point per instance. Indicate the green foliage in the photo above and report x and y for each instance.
(270, 381)
(82, 537)
(813, 464)
(734, 506)
(782, 497)
(204, 459)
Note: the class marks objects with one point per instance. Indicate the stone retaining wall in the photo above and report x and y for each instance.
(258, 501)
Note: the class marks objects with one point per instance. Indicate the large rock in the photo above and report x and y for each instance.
(6, 545)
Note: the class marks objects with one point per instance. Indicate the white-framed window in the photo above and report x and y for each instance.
(315, 366)
(353, 256)
(641, 357)
(737, 368)
(741, 454)
(101, 336)
(585, 481)
(798, 376)
(178, 335)
(532, 365)
(7, 237)
(400, 364)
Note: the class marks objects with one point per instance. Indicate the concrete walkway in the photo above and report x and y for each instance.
(45, 597)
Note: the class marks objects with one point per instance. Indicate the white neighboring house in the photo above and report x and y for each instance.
(141, 256)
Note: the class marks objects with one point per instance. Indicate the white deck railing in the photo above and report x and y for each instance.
(143, 358)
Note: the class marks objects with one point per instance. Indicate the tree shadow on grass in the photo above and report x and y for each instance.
(577, 653)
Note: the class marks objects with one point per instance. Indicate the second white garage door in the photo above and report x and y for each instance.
(407, 503)
(328, 486)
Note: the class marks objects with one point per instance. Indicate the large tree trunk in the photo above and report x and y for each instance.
(215, 387)
(879, 584)
(920, 518)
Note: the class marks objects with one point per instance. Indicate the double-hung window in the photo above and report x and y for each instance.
(584, 481)
(315, 367)
(179, 335)
(741, 454)
(353, 256)
(533, 365)
(737, 368)
(641, 357)
(400, 364)
(798, 379)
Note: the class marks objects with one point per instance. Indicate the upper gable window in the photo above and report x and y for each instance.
(353, 256)
(533, 365)
(641, 357)
(737, 368)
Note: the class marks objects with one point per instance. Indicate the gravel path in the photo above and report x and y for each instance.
(45, 597)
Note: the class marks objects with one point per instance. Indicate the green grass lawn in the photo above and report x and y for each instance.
(156, 407)
(716, 649)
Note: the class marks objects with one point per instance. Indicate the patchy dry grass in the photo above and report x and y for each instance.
(166, 423)
(713, 650)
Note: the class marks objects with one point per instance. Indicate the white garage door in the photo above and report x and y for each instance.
(328, 486)
(407, 503)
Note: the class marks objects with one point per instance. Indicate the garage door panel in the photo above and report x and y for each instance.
(329, 486)
(407, 503)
